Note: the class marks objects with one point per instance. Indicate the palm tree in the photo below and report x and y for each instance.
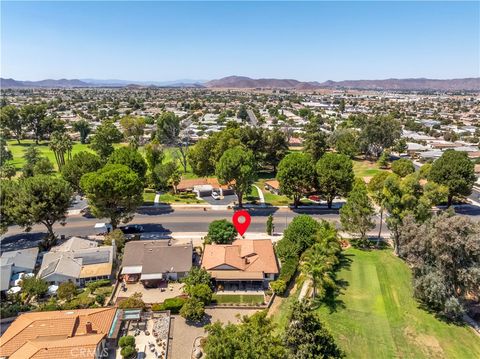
(61, 144)
(320, 268)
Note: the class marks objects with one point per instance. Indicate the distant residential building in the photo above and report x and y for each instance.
(77, 260)
(272, 186)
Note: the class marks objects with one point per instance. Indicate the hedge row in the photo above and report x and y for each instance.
(172, 304)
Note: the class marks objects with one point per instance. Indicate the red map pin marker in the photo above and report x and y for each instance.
(241, 221)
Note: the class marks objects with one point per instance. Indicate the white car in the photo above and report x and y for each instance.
(215, 195)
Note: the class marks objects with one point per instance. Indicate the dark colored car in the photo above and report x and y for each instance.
(134, 228)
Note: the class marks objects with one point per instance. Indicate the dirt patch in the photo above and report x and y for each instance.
(427, 343)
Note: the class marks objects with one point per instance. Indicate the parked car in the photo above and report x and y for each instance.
(314, 198)
(133, 228)
(103, 228)
(215, 195)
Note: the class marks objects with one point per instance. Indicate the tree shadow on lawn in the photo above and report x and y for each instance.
(331, 299)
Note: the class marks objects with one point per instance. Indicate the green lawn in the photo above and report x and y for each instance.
(270, 198)
(365, 168)
(377, 317)
(238, 298)
(19, 150)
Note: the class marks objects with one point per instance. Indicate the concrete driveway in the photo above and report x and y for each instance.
(226, 200)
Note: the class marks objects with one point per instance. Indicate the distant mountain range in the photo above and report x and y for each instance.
(469, 84)
(242, 82)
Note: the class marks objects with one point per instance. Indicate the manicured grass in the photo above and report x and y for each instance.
(18, 150)
(179, 198)
(364, 168)
(238, 298)
(377, 317)
(270, 198)
(148, 198)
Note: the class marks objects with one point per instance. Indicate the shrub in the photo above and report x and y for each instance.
(134, 301)
(193, 309)
(97, 284)
(66, 290)
(221, 232)
(128, 352)
(201, 292)
(100, 299)
(278, 286)
(174, 304)
(126, 341)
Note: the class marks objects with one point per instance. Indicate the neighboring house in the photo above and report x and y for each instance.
(273, 186)
(82, 333)
(154, 262)
(244, 264)
(13, 262)
(203, 186)
(77, 260)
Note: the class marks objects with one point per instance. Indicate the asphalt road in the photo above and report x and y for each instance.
(164, 220)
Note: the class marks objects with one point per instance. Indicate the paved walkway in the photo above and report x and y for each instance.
(304, 290)
(260, 196)
(156, 201)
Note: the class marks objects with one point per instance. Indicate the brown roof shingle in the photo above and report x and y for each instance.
(31, 334)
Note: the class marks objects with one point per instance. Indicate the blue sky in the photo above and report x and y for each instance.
(206, 40)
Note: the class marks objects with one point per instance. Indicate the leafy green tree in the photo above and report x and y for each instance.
(455, 171)
(105, 136)
(275, 148)
(66, 290)
(81, 163)
(403, 167)
(130, 157)
(443, 255)
(7, 196)
(42, 167)
(118, 237)
(61, 144)
(345, 141)
(242, 112)
(164, 174)
(296, 175)
(135, 301)
(297, 237)
(193, 310)
(169, 133)
(153, 154)
(41, 199)
(114, 192)
(5, 153)
(32, 116)
(306, 337)
(200, 157)
(407, 197)
(133, 128)
(221, 231)
(379, 133)
(11, 120)
(335, 176)
(270, 225)
(197, 275)
(356, 215)
(375, 188)
(254, 337)
(7, 170)
(383, 159)
(83, 128)
(314, 139)
(201, 292)
(237, 169)
(34, 286)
